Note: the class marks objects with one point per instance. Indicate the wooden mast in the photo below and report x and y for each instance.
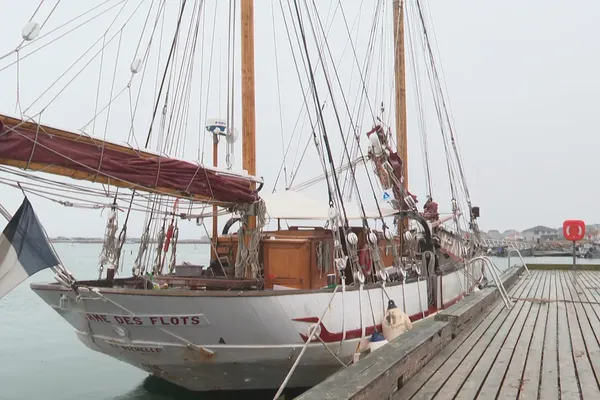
(215, 218)
(400, 83)
(248, 100)
(400, 97)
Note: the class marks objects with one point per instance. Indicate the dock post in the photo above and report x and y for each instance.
(574, 231)
(574, 264)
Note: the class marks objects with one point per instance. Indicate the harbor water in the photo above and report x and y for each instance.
(43, 359)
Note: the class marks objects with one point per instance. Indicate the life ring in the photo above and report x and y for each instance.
(364, 260)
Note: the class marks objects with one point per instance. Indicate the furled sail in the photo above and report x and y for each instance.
(41, 148)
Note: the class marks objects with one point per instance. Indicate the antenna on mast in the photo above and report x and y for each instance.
(217, 128)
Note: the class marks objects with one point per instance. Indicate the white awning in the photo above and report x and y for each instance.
(294, 205)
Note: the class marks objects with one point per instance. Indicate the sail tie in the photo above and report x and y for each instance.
(144, 241)
(323, 251)
(248, 256)
(108, 254)
(242, 253)
(389, 237)
(160, 238)
(174, 238)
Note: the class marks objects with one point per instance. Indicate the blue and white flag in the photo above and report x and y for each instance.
(24, 249)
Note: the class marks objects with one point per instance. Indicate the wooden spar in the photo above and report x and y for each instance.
(400, 83)
(400, 96)
(248, 100)
(71, 168)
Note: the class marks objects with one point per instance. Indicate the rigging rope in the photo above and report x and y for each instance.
(230, 81)
(281, 129)
(39, 38)
(320, 114)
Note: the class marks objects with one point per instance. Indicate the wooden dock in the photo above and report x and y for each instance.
(546, 347)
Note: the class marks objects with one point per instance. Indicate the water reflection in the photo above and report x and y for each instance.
(153, 388)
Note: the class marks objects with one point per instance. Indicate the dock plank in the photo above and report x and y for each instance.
(456, 380)
(484, 381)
(512, 381)
(531, 378)
(546, 347)
(439, 378)
(582, 337)
(590, 286)
(591, 307)
(466, 339)
(496, 374)
(549, 388)
(569, 382)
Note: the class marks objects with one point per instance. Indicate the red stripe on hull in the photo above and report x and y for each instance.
(332, 337)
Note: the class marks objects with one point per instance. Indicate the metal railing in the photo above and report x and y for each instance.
(495, 272)
(515, 244)
(520, 257)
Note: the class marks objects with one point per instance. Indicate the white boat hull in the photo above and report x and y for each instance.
(239, 340)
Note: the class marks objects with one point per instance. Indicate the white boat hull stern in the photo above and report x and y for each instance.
(230, 341)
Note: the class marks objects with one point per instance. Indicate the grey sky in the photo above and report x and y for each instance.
(521, 78)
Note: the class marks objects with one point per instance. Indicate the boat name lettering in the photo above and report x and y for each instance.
(136, 349)
(165, 320)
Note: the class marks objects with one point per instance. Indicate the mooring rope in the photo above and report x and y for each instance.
(311, 333)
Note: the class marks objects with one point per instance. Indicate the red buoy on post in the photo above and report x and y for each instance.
(574, 230)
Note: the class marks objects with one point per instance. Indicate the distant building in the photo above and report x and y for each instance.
(592, 233)
(494, 234)
(510, 232)
(515, 236)
(540, 233)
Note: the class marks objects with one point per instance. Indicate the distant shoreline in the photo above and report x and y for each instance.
(131, 241)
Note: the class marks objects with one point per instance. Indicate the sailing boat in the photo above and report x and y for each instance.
(269, 299)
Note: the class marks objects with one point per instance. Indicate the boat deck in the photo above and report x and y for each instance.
(545, 347)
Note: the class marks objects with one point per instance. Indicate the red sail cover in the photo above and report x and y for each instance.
(36, 147)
